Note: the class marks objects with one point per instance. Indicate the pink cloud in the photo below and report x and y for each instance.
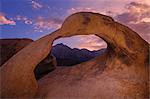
(103, 6)
(145, 20)
(137, 17)
(79, 9)
(90, 42)
(42, 23)
(133, 13)
(36, 5)
(6, 21)
(144, 1)
(109, 7)
(25, 19)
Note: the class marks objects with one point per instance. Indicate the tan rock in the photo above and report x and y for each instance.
(10, 47)
(120, 73)
(17, 74)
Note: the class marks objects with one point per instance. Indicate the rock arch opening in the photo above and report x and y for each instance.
(70, 51)
(77, 49)
(130, 80)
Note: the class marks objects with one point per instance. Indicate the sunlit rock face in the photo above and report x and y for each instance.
(121, 72)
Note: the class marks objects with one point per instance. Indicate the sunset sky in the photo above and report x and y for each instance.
(36, 18)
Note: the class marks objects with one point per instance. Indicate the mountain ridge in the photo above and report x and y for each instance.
(65, 55)
(73, 55)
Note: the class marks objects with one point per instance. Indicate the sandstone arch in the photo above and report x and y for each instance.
(122, 72)
(17, 74)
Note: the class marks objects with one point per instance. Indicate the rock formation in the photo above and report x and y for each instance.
(9, 47)
(17, 74)
(120, 73)
(65, 56)
(47, 65)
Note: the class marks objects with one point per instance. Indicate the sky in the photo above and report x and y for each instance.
(36, 18)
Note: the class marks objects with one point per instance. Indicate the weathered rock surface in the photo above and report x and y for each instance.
(120, 73)
(10, 47)
(47, 65)
(17, 74)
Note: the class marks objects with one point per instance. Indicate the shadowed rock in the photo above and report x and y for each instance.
(17, 74)
(121, 72)
(9, 47)
(45, 66)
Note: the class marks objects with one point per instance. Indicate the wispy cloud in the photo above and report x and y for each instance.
(104, 6)
(42, 24)
(109, 7)
(137, 17)
(91, 42)
(79, 9)
(143, 1)
(24, 19)
(36, 5)
(133, 13)
(6, 21)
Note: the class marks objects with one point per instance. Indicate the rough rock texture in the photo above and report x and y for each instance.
(9, 47)
(44, 67)
(120, 73)
(17, 74)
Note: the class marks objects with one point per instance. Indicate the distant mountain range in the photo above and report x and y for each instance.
(66, 56)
